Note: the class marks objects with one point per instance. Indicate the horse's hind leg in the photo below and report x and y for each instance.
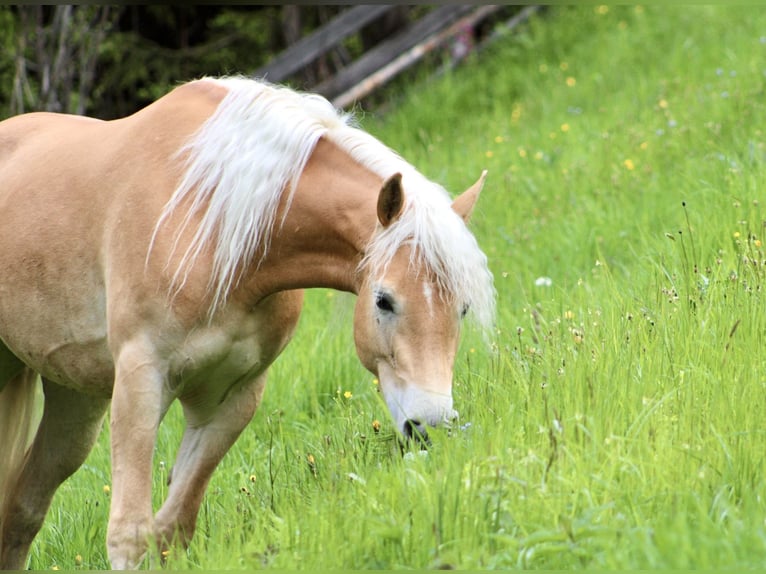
(203, 446)
(69, 427)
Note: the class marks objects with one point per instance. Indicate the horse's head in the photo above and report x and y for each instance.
(407, 322)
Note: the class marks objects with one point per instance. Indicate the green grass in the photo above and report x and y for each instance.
(617, 421)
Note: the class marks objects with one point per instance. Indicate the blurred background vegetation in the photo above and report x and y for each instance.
(109, 61)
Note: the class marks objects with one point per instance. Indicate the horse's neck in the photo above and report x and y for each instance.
(326, 229)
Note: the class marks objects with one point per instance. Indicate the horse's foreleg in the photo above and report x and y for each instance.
(69, 427)
(204, 444)
(138, 402)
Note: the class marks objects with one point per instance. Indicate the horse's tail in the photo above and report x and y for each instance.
(18, 417)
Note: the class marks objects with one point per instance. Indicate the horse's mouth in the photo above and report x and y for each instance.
(415, 431)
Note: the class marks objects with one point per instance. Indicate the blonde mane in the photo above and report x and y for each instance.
(255, 147)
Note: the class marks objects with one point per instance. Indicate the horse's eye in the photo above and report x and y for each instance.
(384, 303)
(464, 311)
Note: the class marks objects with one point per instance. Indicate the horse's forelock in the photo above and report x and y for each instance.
(440, 243)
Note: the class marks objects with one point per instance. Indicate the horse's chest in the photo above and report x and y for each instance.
(212, 355)
(213, 360)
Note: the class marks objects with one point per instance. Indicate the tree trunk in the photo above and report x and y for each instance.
(56, 53)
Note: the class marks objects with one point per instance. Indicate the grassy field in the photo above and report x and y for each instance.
(617, 421)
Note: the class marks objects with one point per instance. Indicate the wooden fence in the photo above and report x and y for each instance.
(388, 58)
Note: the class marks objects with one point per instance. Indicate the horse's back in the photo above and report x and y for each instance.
(56, 150)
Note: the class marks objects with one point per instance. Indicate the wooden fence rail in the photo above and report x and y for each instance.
(321, 40)
(385, 60)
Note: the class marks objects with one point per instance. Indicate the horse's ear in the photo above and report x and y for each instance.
(465, 202)
(390, 200)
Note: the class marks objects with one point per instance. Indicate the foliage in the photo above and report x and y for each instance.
(617, 420)
(137, 70)
(109, 61)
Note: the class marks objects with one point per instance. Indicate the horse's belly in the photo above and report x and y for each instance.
(83, 364)
(60, 333)
(86, 366)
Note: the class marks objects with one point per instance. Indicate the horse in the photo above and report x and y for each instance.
(163, 256)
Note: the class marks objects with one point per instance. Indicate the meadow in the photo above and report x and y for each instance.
(615, 419)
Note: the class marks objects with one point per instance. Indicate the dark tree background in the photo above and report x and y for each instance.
(109, 61)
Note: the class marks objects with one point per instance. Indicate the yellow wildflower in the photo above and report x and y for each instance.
(516, 112)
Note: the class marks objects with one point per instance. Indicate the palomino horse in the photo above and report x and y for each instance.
(162, 256)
